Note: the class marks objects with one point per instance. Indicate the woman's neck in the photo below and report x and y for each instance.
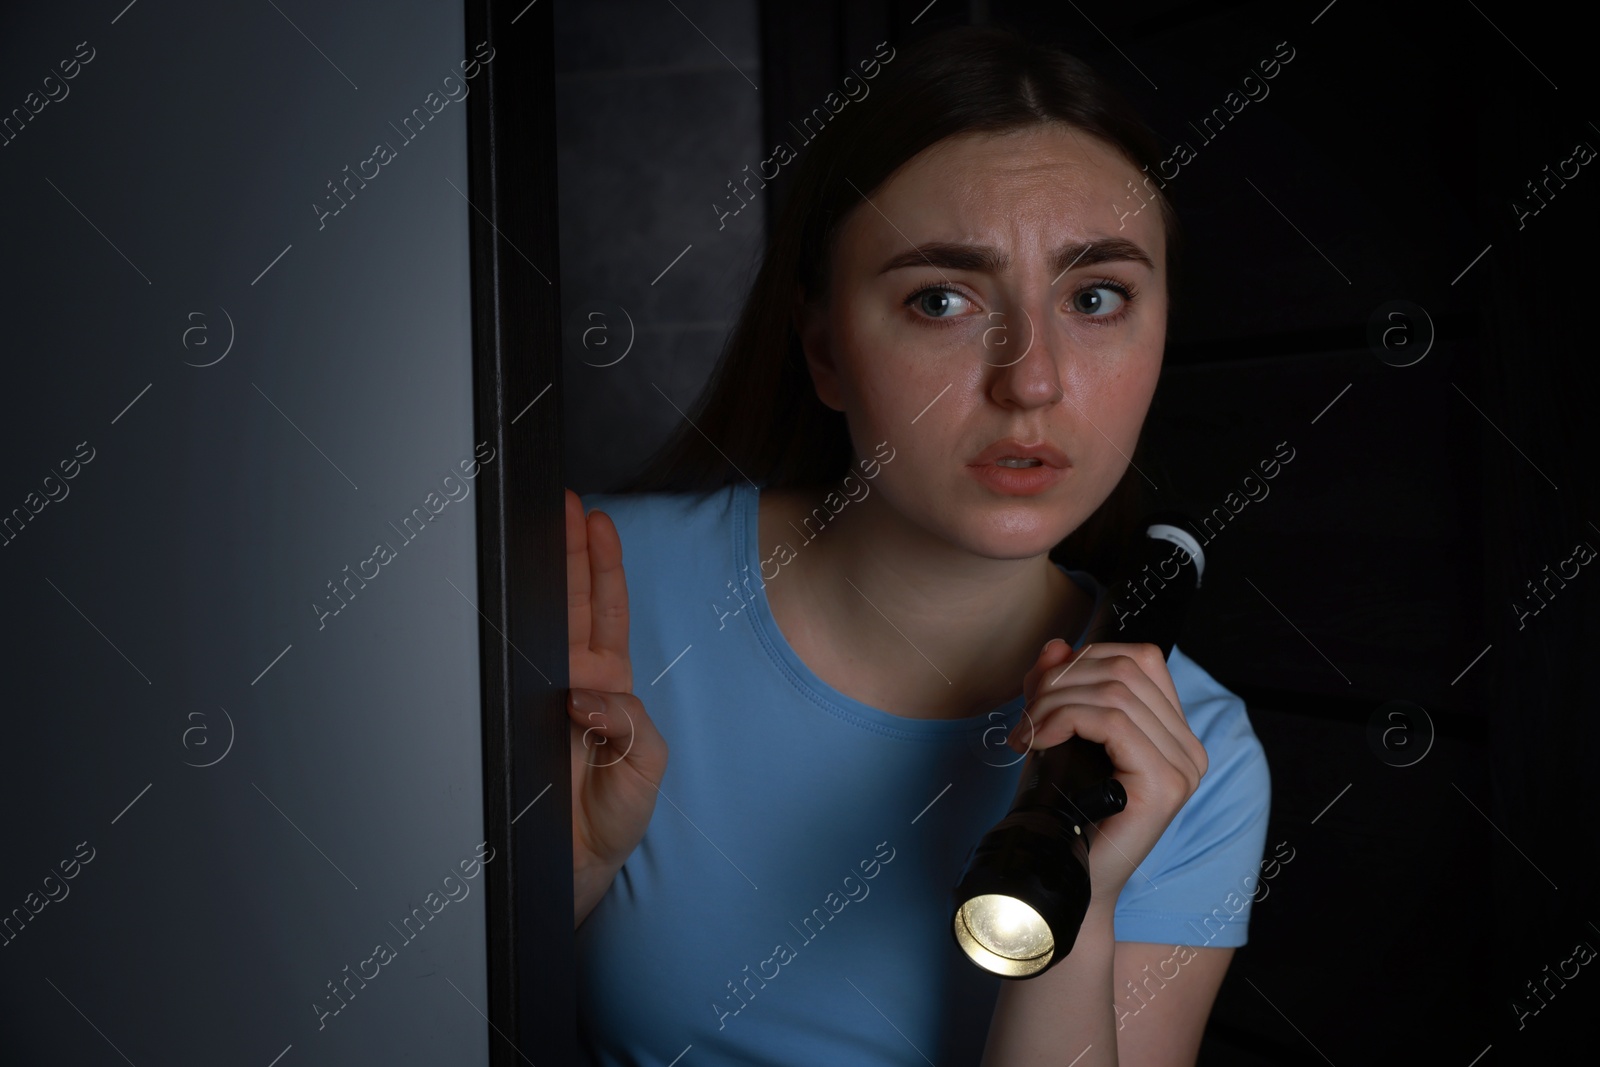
(902, 621)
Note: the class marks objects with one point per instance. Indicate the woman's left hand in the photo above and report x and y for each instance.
(1120, 695)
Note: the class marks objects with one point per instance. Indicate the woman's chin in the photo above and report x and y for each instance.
(1035, 539)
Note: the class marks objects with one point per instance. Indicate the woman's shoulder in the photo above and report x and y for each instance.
(1204, 868)
(1221, 721)
(674, 540)
(1237, 778)
(704, 507)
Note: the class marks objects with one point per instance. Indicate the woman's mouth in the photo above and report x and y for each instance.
(1015, 453)
(1011, 476)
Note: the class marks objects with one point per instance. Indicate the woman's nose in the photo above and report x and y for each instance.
(1024, 358)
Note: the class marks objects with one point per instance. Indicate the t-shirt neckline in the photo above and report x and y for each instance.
(747, 554)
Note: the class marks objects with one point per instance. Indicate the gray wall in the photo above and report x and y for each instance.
(262, 797)
(657, 111)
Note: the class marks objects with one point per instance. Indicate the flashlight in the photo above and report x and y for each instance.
(1025, 890)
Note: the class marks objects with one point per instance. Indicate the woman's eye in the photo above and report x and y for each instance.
(1099, 301)
(939, 303)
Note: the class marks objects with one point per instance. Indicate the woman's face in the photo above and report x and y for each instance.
(996, 287)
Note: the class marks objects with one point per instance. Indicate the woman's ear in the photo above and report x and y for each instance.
(811, 324)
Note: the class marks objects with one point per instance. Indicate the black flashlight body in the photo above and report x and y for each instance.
(1039, 853)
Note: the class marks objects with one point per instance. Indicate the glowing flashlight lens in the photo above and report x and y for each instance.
(1008, 927)
(1004, 935)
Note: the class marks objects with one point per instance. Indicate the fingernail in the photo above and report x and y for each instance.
(585, 701)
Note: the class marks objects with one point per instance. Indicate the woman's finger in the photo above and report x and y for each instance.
(1151, 666)
(1147, 658)
(1059, 713)
(1141, 668)
(1141, 766)
(577, 573)
(608, 597)
(1113, 681)
(613, 727)
(1052, 656)
(1154, 664)
(607, 731)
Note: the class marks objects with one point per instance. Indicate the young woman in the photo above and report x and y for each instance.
(849, 624)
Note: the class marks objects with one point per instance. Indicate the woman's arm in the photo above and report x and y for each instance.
(1161, 1020)
(1077, 1013)
(1064, 1016)
(1123, 699)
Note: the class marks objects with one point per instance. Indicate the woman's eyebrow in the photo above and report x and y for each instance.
(987, 260)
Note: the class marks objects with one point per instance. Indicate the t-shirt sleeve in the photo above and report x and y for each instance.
(1200, 881)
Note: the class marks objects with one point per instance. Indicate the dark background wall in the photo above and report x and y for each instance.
(1442, 842)
(653, 123)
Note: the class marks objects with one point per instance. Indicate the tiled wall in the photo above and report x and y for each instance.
(657, 111)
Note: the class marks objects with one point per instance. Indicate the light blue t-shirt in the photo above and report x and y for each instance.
(790, 902)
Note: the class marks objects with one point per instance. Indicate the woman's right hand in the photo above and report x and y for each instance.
(1120, 695)
(618, 756)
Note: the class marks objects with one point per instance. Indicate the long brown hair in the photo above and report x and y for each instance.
(759, 415)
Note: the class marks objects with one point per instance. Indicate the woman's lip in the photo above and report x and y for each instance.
(1011, 448)
(1017, 481)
